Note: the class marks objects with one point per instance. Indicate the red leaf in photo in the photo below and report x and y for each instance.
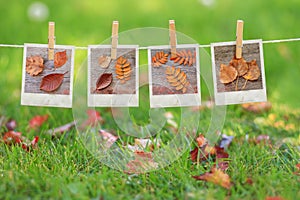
(51, 82)
(37, 121)
(104, 81)
(216, 176)
(12, 137)
(60, 58)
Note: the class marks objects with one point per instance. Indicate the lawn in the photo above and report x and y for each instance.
(63, 168)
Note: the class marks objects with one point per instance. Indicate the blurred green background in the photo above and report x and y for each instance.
(81, 23)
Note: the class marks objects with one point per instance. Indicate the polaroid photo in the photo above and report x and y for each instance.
(174, 81)
(47, 82)
(113, 82)
(238, 81)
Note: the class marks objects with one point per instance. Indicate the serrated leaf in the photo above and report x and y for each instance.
(51, 82)
(185, 57)
(159, 59)
(123, 69)
(104, 81)
(34, 65)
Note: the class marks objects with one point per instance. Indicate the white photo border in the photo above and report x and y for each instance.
(114, 100)
(49, 100)
(239, 97)
(174, 100)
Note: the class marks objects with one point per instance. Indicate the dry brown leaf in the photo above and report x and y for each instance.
(240, 65)
(104, 81)
(184, 57)
(104, 61)
(60, 58)
(227, 74)
(51, 82)
(159, 59)
(177, 78)
(216, 176)
(275, 198)
(253, 72)
(143, 161)
(34, 65)
(123, 69)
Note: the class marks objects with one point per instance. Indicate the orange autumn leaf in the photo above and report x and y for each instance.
(297, 172)
(60, 58)
(37, 121)
(34, 65)
(275, 198)
(216, 176)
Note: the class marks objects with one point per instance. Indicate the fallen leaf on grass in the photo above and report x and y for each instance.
(216, 176)
(37, 121)
(262, 139)
(11, 124)
(60, 58)
(12, 138)
(34, 65)
(297, 172)
(62, 129)
(108, 138)
(249, 181)
(143, 161)
(94, 118)
(51, 82)
(257, 107)
(32, 144)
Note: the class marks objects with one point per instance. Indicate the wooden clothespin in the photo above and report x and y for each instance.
(239, 39)
(51, 40)
(114, 39)
(172, 34)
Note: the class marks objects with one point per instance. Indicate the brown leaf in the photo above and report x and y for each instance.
(104, 81)
(159, 59)
(253, 72)
(257, 108)
(34, 65)
(123, 69)
(51, 82)
(60, 58)
(104, 61)
(297, 172)
(216, 176)
(177, 78)
(184, 57)
(108, 138)
(227, 74)
(240, 65)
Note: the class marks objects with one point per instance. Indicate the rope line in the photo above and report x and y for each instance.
(142, 48)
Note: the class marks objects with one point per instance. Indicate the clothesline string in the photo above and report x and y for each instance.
(202, 46)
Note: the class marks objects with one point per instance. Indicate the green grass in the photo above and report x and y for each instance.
(63, 168)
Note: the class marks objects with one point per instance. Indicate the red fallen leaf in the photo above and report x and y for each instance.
(11, 125)
(109, 138)
(51, 82)
(216, 176)
(143, 161)
(61, 129)
(32, 144)
(275, 198)
(297, 172)
(201, 140)
(60, 58)
(249, 181)
(94, 118)
(37, 121)
(257, 107)
(221, 157)
(12, 137)
(104, 81)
